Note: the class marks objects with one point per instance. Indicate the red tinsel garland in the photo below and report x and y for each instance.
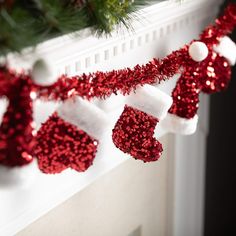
(16, 132)
(103, 84)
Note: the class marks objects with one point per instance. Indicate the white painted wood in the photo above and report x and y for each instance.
(187, 172)
(162, 28)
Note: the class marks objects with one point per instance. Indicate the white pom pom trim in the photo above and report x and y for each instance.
(150, 100)
(198, 51)
(179, 125)
(227, 49)
(87, 116)
(43, 73)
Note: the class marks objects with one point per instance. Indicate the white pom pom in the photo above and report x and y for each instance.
(227, 48)
(198, 51)
(43, 73)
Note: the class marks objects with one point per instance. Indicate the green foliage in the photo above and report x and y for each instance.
(109, 13)
(29, 22)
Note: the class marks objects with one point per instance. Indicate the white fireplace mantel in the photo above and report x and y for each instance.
(157, 30)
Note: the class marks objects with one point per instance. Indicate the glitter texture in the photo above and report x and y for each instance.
(185, 96)
(61, 145)
(133, 134)
(223, 25)
(209, 76)
(16, 131)
(103, 84)
(216, 74)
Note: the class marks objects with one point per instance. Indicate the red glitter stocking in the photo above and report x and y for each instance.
(133, 134)
(61, 145)
(210, 76)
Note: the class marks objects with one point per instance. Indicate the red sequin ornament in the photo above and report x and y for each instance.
(215, 75)
(133, 134)
(16, 130)
(61, 145)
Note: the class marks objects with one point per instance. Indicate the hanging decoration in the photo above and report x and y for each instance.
(134, 130)
(70, 137)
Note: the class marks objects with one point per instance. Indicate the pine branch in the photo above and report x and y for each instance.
(29, 22)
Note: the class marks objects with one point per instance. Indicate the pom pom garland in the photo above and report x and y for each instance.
(64, 142)
(103, 84)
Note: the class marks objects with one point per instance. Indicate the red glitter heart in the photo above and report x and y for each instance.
(133, 134)
(61, 145)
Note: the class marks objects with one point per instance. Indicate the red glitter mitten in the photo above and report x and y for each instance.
(69, 138)
(134, 131)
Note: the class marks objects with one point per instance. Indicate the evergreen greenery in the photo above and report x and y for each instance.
(27, 22)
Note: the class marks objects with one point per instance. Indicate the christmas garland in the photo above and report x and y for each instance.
(70, 137)
(28, 22)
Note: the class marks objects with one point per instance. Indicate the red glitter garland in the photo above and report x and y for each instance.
(103, 84)
(17, 134)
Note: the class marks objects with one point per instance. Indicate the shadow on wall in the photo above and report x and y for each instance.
(220, 203)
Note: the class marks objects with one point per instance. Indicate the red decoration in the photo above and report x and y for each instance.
(216, 74)
(185, 96)
(133, 134)
(210, 76)
(224, 25)
(61, 145)
(103, 84)
(16, 130)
